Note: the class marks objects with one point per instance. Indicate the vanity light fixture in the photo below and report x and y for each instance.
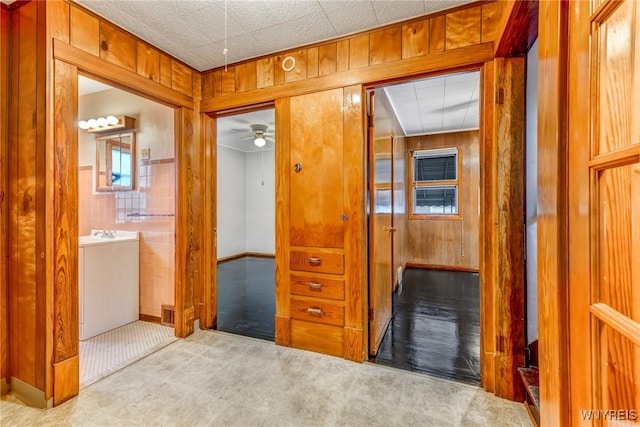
(107, 124)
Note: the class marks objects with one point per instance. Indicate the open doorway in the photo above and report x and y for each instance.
(126, 227)
(424, 166)
(246, 224)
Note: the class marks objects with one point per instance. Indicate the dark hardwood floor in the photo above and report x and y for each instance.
(435, 328)
(246, 297)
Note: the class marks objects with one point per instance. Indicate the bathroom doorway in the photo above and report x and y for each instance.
(246, 223)
(424, 168)
(126, 227)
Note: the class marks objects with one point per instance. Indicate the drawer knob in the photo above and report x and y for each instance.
(314, 286)
(314, 262)
(314, 311)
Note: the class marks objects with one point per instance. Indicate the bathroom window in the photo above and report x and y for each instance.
(435, 183)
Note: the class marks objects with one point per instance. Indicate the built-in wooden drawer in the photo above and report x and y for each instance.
(317, 261)
(317, 337)
(317, 311)
(313, 286)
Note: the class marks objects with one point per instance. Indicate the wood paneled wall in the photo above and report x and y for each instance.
(30, 291)
(449, 242)
(399, 50)
(387, 125)
(553, 280)
(5, 34)
(74, 25)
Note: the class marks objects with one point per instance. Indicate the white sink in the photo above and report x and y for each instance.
(98, 237)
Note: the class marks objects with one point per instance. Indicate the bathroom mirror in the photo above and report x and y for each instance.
(115, 162)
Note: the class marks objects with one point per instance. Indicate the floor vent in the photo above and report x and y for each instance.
(167, 316)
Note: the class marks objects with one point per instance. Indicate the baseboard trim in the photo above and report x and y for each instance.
(4, 386)
(244, 254)
(29, 394)
(149, 318)
(441, 267)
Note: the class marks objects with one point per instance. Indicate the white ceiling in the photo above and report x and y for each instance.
(87, 86)
(193, 30)
(235, 131)
(437, 104)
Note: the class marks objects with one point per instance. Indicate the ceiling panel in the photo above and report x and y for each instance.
(438, 104)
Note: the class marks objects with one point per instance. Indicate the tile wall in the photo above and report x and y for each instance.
(150, 209)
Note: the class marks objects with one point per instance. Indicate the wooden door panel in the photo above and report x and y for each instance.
(317, 187)
(615, 70)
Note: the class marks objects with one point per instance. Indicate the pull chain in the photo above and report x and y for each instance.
(225, 50)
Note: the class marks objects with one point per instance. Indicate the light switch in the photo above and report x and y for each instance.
(145, 153)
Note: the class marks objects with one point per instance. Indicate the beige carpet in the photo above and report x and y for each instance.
(107, 353)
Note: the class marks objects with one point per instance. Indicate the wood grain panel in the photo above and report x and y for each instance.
(317, 337)
(342, 55)
(354, 237)
(282, 154)
(228, 81)
(5, 32)
(316, 191)
(148, 62)
(509, 291)
(84, 31)
(117, 47)
(283, 330)
(265, 73)
(487, 218)
(65, 244)
(417, 66)
(450, 242)
(415, 39)
(278, 72)
(327, 59)
(317, 261)
(312, 62)
(489, 21)
(299, 72)
(59, 17)
(316, 286)
(463, 28)
(317, 310)
(66, 382)
(354, 348)
(208, 82)
(552, 214)
(25, 143)
(165, 70)
(385, 45)
(436, 34)
(208, 295)
(182, 78)
(246, 76)
(359, 52)
(188, 221)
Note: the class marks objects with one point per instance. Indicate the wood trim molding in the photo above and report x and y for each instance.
(150, 318)
(118, 76)
(245, 254)
(441, 267)
(449, 60)
(66, 382)
(517, 28)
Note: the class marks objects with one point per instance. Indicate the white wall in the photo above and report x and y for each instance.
(232, 206)
(246, 202)
(532, 193)
(261, 202)
(154, 123)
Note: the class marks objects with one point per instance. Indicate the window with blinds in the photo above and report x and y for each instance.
(435, 182)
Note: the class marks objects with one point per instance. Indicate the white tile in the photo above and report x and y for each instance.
(350, 16)
(393, 11)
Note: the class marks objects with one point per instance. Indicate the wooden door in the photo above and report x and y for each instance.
(604, 212)
(381, 232)
(316, 172)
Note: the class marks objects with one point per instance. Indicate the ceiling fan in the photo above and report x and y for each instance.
(260, 134)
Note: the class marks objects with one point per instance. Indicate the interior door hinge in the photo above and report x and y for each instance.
(371, 314)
